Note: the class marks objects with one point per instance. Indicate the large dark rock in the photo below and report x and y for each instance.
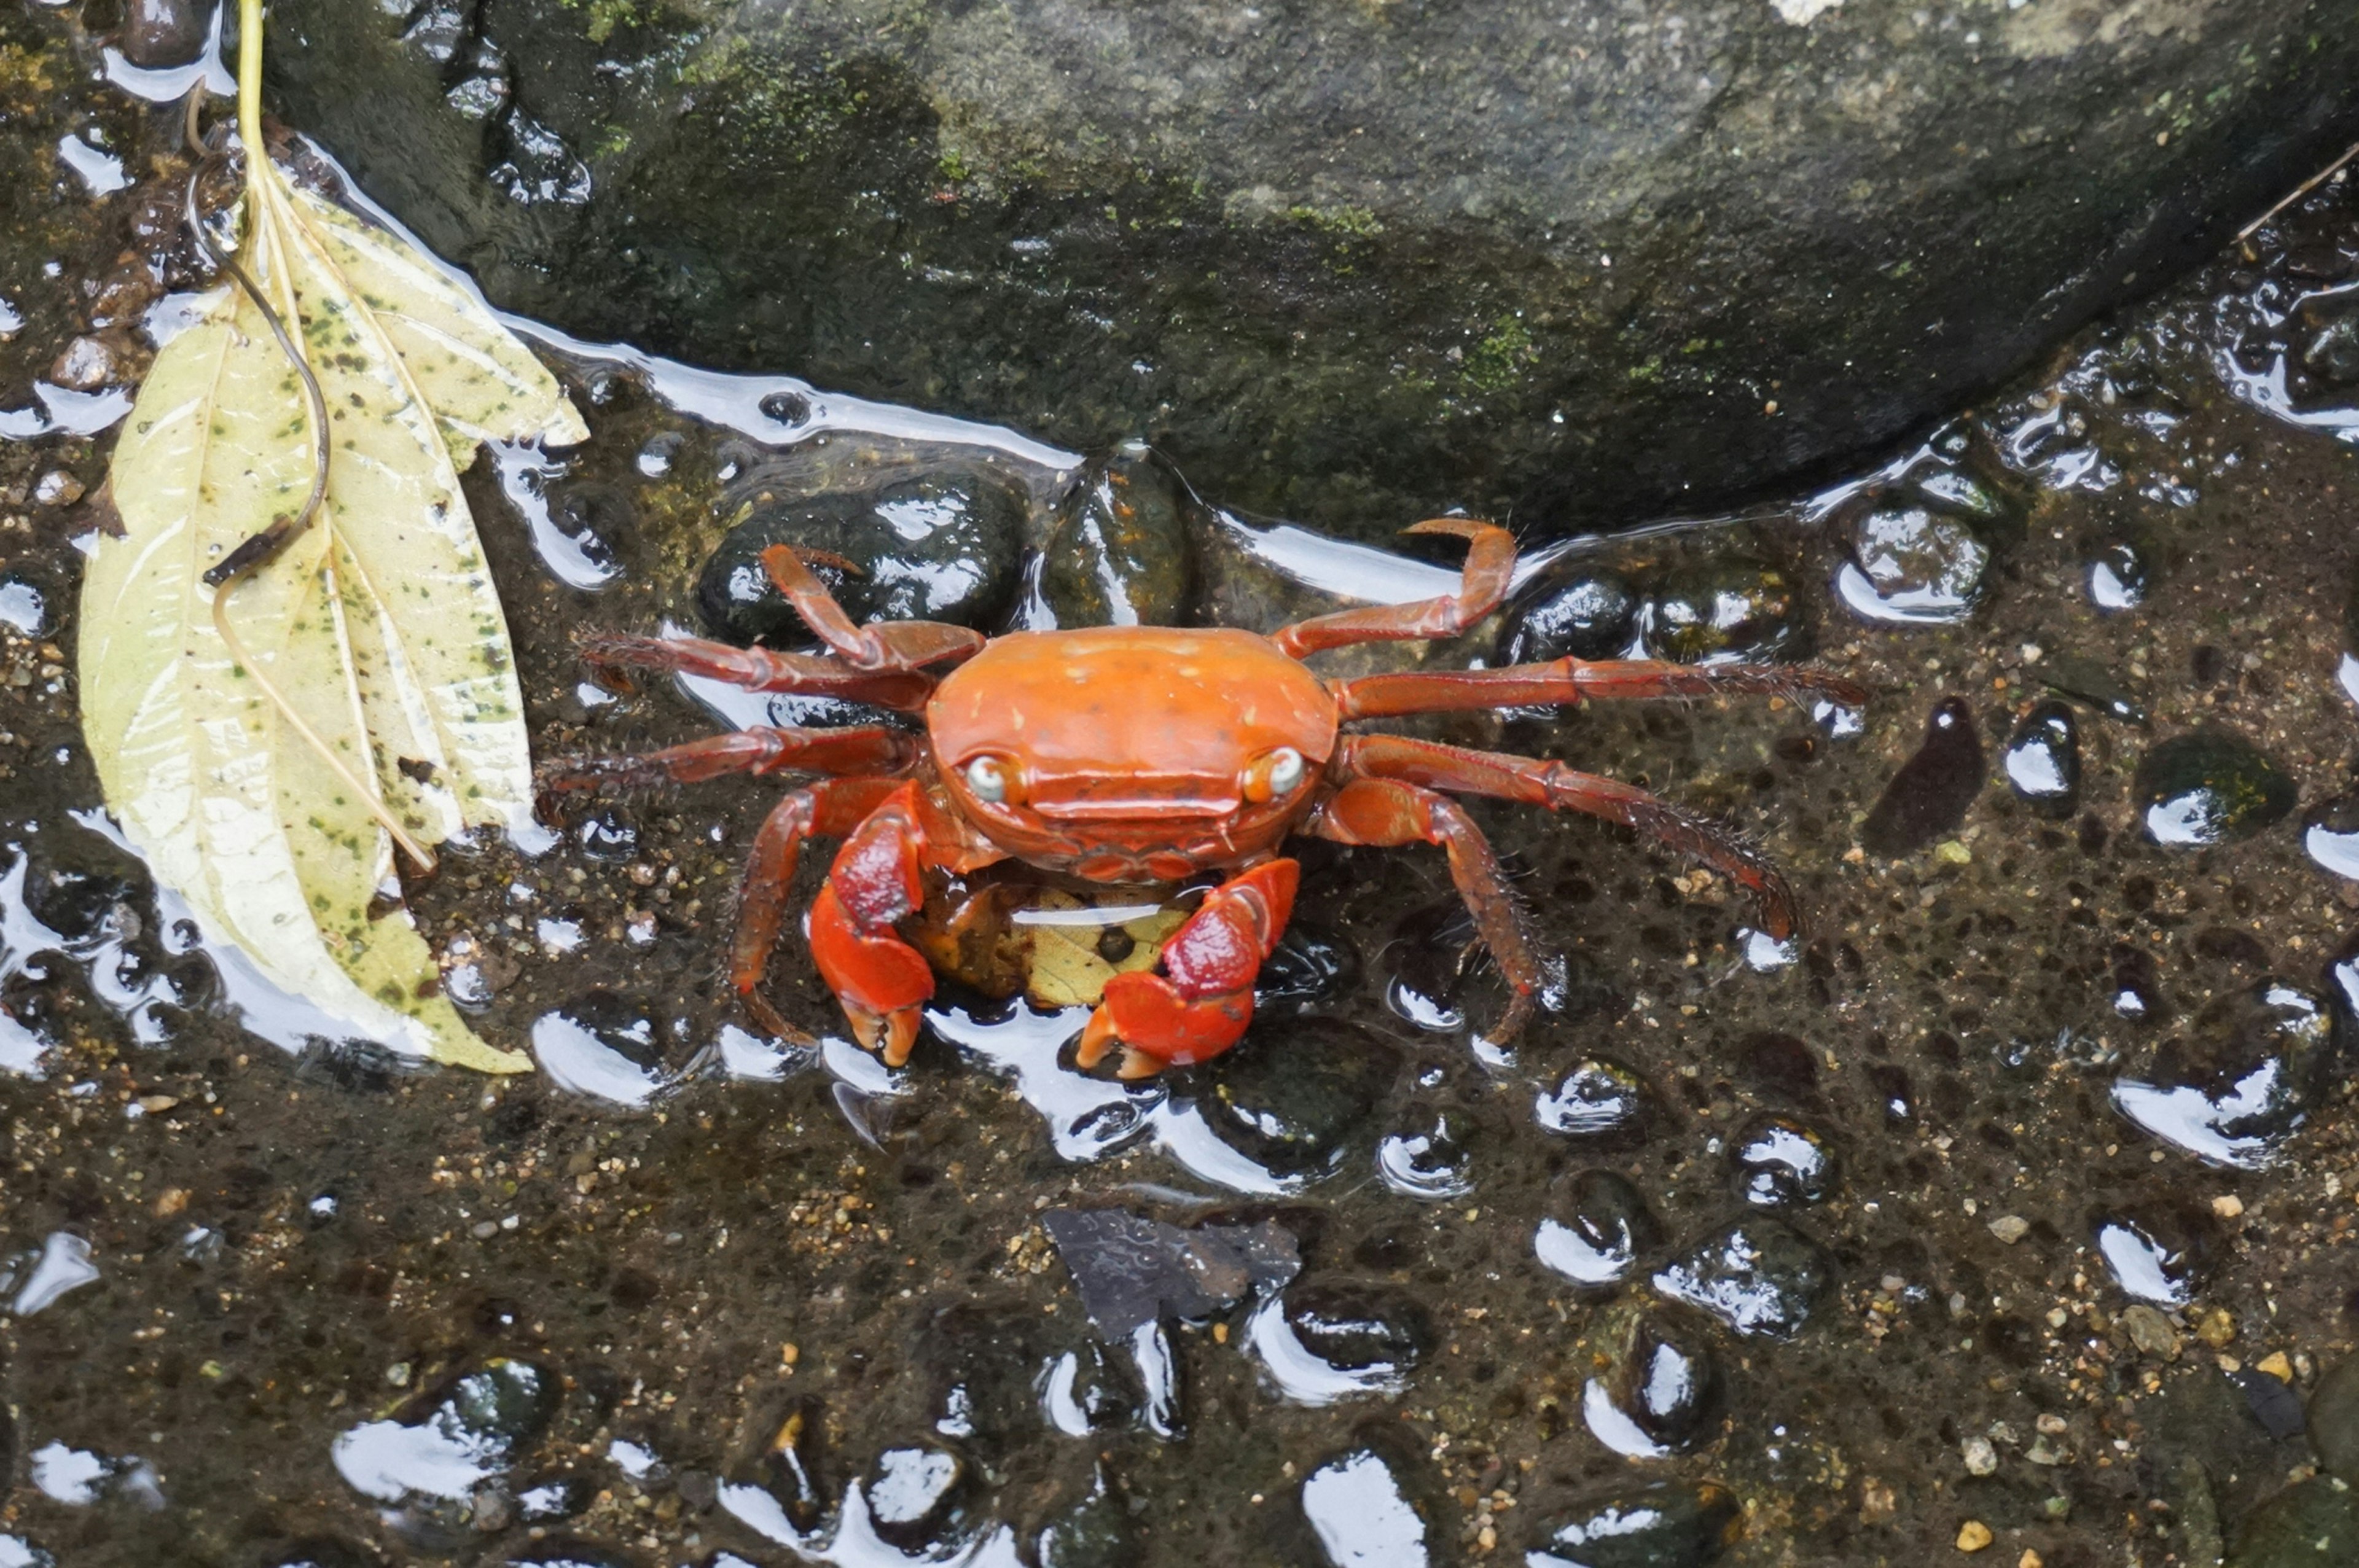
(1349, 263)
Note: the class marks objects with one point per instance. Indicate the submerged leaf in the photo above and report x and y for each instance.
(1070, 966)
(379, 624)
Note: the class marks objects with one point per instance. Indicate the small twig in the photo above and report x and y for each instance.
(2304, 188)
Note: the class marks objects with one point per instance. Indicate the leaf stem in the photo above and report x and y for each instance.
(257, 550)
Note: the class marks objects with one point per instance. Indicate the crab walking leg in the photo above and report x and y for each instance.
(758, 669)
(1489, 562)
(830, 808)
(864, 748)
(1386, 812)
(1575, 680)
(878, 881)
(1560, 788)
(1202, 1002)
(887, 645)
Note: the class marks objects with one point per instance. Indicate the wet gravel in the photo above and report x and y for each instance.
(2004, 1212)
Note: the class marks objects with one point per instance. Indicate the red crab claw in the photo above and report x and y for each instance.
(880, 979)
(1199, 1005)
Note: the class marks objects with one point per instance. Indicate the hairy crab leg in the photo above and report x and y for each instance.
(1574, 680)
(1489, 562)
(762, 749)
(887, 645)
(829, 809)
(1384, 811)
(1199, 1005)
(877, 882)
(1538, 782)
(757, 669)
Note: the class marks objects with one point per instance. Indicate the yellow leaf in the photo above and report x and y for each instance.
(379, 625)
(1068, 969)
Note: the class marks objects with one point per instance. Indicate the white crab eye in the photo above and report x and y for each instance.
(1286, 770)
(986, 780)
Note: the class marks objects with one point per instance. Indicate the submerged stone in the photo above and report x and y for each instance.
(1432, 1162)
(1606, 1226)
(912, 1493)
(2119, 576)
(1361, 1514)
(1354, 1328)
(2042, 759)
(2334, 1418)
(2330, 833)
(1780, 1160)
(1931, 793)
(942, 545)
(1095, 1532)
(1725, 608)
(2241, 1080)
(2156, 1254)
(1758, 1276)
(1296, 1099)
(2309, 1525)
(1666, 1524)
(1913, 564)
(1131, 1270)
(1599, 1099)
(1574, 609)
(1660, 1393)
(1119, 553)
(2210, 787)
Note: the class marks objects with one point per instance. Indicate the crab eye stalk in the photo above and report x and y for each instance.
(1275, 774)
(994, 781)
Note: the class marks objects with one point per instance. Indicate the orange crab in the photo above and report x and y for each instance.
(1146, 754)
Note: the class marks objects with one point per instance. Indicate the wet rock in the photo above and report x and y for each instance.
(1131, 1270)
(91, 362)
(1780, 1067)
(1599, 1100)
(566, 1553)
(2119, 576)
(981, 1363)
(1355, 1328)
(2210, 787)
(2070, 674)
(1095, 1532)
(2042, 759)
(1666, 1524)
(1911, 562)
(2333, 1418)
(1575, 609)
(2330, 833)
(2156, 1254)
(1780, 1160)
(25, 605)
(1930, 793)
(157, 34)
(1118, 554)
(1758, 1276)
(2150, 1331)
(1296, 1097)
(1353, 300)
(1310, 966)
(1606, 1226)
(606, 1046)
(2309, 1524)
(2241, 1078)
(1361, 1514)
(2330, 352)
(942, 545)
(1431, 1162)
(1429, 959)
(912, 1493)
(1727, 609)
(1083, 1390)
(1661, 1393)
(503, 1406)
(2271, 1400)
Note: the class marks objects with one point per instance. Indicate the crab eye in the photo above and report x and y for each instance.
(993, 781)
(1274, 775)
